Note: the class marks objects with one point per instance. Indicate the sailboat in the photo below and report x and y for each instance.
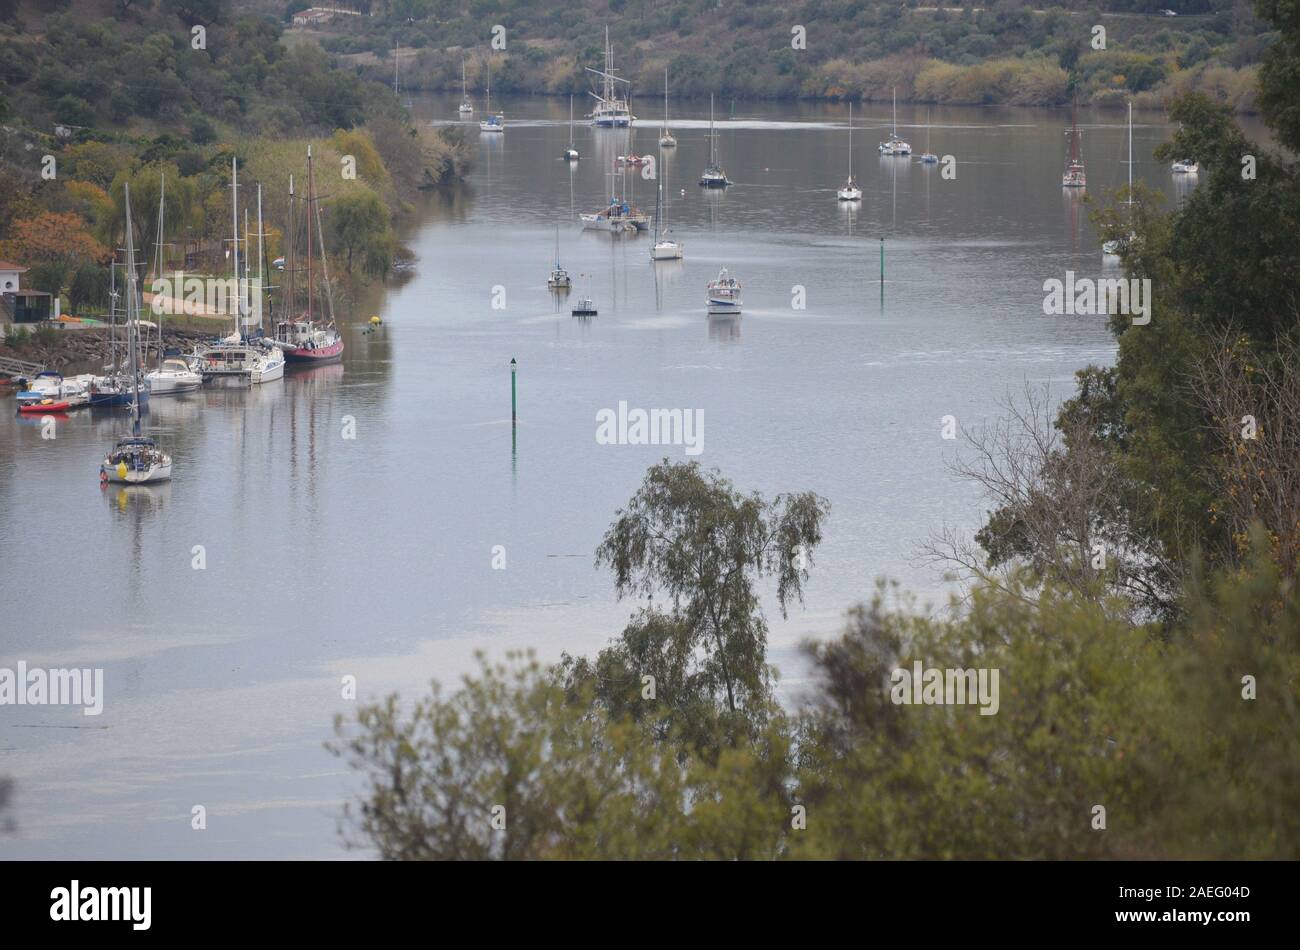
(666, 137)
(1114, 246)
(850, 191)
(559, 279)
(664, 248)
(115, 388)
(1074, 176)
(714, 176)
(495, 122)
(171, 375)
(1185, 166)
(466, 107)
(236, 357)
(570, 153)
(135, 460)
(895, 145)
(309, 338)
(929, 158)
(611, 110)
(619, 215)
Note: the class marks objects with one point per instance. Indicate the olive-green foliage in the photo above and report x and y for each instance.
(1092, 711)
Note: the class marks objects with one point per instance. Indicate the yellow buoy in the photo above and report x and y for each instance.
(121, 470)
(375, 321)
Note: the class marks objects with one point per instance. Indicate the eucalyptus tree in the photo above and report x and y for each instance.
(689, 537)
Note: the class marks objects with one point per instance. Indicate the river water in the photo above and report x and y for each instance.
(326, 557)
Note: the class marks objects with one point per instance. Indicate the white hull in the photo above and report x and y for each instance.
(272, 368)
(849, 194)
(667, 141)
(666, 251)
(170, 384)
(156, 473)
(723, 307)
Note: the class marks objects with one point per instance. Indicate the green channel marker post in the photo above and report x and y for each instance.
(882, 270)
(514, 404)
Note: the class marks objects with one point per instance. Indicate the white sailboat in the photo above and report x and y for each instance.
(895, 145)
(570, 153)
(1185, 166)
(928, 158)
(135, 460)
(666, 137)
(664, 247)
(850, 191)
(171, 375)
(559, 279)
(714, 175)
(236, 357)
(1074, 176)
(611, 110)
(495, 122)
(1114, 246)
(466, 107)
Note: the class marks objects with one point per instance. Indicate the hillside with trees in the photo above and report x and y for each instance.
(97, 94)
(1005, 52)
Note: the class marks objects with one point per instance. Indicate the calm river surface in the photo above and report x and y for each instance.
(372, 557)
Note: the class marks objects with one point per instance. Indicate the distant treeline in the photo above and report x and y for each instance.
(1004, 52)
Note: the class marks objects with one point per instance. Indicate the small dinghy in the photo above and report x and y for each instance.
(45, 405)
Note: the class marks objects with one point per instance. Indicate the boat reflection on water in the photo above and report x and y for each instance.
(301, 374)
(724, 328)
(137, 500)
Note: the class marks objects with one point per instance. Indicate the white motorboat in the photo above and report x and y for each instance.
(895, 145)
(1185, 166)
(724, 294)
(173, 376)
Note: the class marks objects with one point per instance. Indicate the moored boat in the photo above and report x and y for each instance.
(306, 339)
(723, 294)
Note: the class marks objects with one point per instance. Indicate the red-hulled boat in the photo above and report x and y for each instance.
(44, 406)
(311, 337)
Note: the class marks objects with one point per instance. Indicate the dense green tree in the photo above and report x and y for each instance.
(359, 225)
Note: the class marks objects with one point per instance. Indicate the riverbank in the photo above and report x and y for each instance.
(84, 348)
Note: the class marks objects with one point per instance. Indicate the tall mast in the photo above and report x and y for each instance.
(850, 138)
(234, 244)
(1130, 152)
(162, 202)
(570, 120)
(260, 295)
(132, 317)
(311, 197)
(713, 135)
(324, 260)
(895, 112)
(1074, 130)
(665, 100)
(290, 259)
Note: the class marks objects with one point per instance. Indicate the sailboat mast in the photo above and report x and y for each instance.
(570, 124)
(132, 317)
(665, 100)
(260, 249)
(162, 203)
(234, 244)
(291, 238)
(311, 197)
(1130, 153)
(850, 138)
(713, 136)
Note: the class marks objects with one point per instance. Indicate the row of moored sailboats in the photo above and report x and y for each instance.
(305, 336)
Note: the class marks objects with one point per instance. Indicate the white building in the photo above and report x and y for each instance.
(10, 277)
